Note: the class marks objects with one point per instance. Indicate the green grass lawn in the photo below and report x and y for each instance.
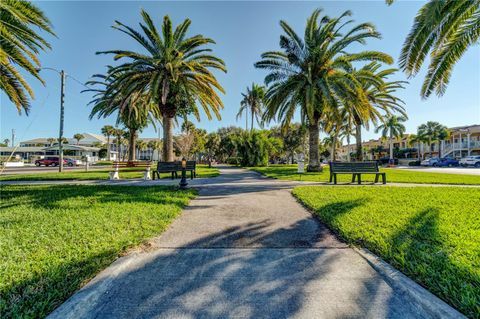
(289, 172)
(203, 171)
(432, 234)
(54, 238)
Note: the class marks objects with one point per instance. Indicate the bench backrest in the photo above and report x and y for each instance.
(354, 167)
(167, 167)
(191, 165)
(131, 164)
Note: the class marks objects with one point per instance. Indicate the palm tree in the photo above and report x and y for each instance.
(141, 145)
(252, 101)
(20, 47)
(175, 72)
(417, 140)
(78, 137)
(154, 145)
(313, 73)
(118, 133)
(51, 140)
(432, 131)
(443, 31)
(108, 131)
(380, 97)
(134, 110)
(392, 127)
(6, 142)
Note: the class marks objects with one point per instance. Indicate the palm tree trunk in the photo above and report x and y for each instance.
(391, 146)
(313, 135)
(167, 139)
(251, 127)
(439, 149)
(108, 147)
(348, 148)
(131, 145)
(358, 140)
(430, 147)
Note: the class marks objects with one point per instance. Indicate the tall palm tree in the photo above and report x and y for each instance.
(443, 31)
(432, 131)
(78, 137)
(417, 140)
(392, 127)
(379, 93)
(118, 133)
(313, 73)
(134, 110)
(107, 131)
(252, 101)
(174, 70)
(141, 145)
(20, 46)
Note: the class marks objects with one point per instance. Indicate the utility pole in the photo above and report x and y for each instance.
(13, 137)
(60, 137)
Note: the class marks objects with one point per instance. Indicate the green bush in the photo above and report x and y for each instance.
(254, 147)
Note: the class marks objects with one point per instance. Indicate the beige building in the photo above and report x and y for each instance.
(463, 141)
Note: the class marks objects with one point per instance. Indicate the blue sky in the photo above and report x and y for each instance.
(242, 30)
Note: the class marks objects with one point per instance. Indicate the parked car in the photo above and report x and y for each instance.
(73, 162)
(470, 161)
(446, 162)
(430, 161)
(47, 161)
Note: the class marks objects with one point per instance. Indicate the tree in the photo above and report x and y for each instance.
(174, 71)
(294, 138)
(78, 137)
(212, 146)
(134, 110)
(252, 101)
(332, 142)
(417, 140)
(118, 133)
(313, 73)
(184, 143)
(108, 131)
(20, 47)
(392, 127)
(443, 31)
(64, 140)
(155, 145)
(51, 140)
(253, 147)
(141, 145)
(6, 142)
(380, 99)
(432, 131)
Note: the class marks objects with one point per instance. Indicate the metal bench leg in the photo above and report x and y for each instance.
(376, 178)
(353, 177)
(335, 179)
(384, 178)
(331, 177)
(191, 174)
(359, 179)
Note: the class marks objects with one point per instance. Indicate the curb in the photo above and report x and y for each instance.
(421, 298)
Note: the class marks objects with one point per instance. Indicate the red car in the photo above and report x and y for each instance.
(47, 161)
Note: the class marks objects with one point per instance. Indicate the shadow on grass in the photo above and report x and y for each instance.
(420, 251)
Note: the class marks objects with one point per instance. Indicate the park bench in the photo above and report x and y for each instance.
(166, 167)
(132, 166)
(356, 169)
(174, 168)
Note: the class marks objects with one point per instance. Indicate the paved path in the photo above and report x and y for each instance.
(245, 249)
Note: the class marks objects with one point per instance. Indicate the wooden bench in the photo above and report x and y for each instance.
(356, 169)
(132, 166)
(166, 167)
(174, 168)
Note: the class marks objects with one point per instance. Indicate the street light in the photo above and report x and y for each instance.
(62, 96)
(183, 182)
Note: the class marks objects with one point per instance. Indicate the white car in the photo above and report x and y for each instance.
(430, 161)
(470, 161)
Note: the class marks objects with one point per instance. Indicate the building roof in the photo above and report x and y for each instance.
(22, 149)
(40, 140)
(73, 148)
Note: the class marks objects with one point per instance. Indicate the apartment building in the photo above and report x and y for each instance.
(463, 141)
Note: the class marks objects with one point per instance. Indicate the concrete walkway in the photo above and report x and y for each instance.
(246, 249)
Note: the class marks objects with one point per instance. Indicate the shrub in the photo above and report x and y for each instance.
(254, 147)
(414, 163)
